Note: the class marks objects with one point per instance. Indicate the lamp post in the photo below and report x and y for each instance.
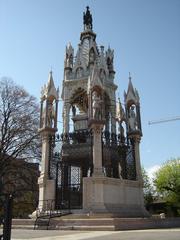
(7, 217)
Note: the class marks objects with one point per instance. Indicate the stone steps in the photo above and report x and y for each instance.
(87, 228)
(101, 224)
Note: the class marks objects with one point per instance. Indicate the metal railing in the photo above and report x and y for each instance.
(46, 210)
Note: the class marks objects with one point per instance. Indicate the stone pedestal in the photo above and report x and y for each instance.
(46, 192)
(136, 136)
(137, 159)
(103, 195)
(117, 197)
(46, 186)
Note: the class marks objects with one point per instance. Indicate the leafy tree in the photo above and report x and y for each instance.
(167, 182)
(148, 189)
(19, 140)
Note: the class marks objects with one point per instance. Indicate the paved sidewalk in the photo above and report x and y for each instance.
(153, 234)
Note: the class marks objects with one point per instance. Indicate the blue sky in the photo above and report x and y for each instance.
(145, 35)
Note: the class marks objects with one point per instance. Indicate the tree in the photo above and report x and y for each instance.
(167, 182)
(148, 189)
(19, 139)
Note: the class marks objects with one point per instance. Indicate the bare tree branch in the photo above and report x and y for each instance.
(19, 138)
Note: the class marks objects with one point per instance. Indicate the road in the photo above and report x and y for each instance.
(152, 234)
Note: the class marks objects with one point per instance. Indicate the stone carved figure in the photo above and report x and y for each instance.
(96, 106)
(74, 111)
(69, 61)
(91, 56)
(122, 136)
(50, 115)
(132, 119)
(79, 72)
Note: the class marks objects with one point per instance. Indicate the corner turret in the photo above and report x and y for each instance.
(131, 99)
(49, 105)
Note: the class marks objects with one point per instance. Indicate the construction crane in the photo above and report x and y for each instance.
(164, 120)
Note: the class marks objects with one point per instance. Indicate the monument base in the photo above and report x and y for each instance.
(46, 192)
(117, 197)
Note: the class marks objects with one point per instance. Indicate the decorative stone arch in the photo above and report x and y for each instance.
(109, 62)
(80, 99)
(69, 60)
(48, 112)
(132, 115)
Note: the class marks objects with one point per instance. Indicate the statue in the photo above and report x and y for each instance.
(69, 61)
(79, 72)
(91, 56)
(132, 119)
(87, 19)
(96, 106)
(50, 115)
(74, 111)
(122, 137)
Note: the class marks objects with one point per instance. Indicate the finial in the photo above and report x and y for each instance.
(102, 49)
(51, 71)
(50, 76)
(129, 76)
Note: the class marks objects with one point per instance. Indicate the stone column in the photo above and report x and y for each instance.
(66, 118)
(97, 127)
(46, 185)
(41, 115)
(137, 139)
(113, 118)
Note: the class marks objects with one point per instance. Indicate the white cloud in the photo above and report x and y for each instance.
(151, 171)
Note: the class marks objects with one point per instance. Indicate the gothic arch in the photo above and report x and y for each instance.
(80, 99)
(109, 62)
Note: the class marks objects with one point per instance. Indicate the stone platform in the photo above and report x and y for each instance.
(119, 198)
(100, 223)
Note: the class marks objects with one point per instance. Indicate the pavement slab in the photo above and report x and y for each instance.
(150, 234)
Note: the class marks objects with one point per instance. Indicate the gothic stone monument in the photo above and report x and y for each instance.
(94, 165)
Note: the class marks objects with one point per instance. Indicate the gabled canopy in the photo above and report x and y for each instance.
(49, 91)
(132, 96)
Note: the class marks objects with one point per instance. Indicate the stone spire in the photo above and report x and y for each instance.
(88, 26)
(49, 104)
(132, 95)
(49, 89)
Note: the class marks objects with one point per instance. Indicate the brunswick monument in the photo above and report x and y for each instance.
(93, 165)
